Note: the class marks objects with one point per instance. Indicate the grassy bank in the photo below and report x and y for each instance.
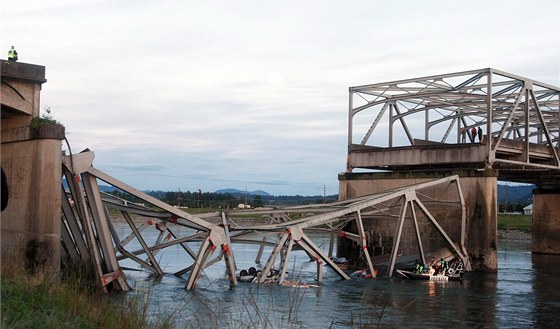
(72, 302)
(515, 222)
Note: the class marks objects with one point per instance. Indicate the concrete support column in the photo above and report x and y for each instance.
(546, 221)
(30, 224)
(479, 190)
(32, 160)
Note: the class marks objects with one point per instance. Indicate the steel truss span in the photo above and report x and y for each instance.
(503, 121)
(88, 233)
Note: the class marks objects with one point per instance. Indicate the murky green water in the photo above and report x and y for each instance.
(525, 293)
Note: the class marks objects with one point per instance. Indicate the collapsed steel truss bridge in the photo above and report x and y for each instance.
(88, 233)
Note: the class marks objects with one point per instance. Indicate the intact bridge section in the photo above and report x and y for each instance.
(483, 125)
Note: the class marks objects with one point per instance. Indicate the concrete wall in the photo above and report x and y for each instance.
(479, 190)
(20, 90)
(30, 224)
(546, 221)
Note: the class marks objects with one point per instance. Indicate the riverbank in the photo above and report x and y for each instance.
(511, 234)
(70, 300)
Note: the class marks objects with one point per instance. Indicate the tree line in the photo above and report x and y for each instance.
(199, 199)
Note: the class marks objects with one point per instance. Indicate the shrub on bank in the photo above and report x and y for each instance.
(70, 302)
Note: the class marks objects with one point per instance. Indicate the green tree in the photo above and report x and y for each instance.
(257, 201)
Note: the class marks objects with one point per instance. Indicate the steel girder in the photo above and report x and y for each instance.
(97, 238)
(516, 115)
(89, 233)
(405, 199)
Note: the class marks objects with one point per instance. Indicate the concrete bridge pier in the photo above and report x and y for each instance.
(479, 189)
(31, 157)
(546, 220)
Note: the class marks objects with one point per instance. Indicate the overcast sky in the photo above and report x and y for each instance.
(252, 94)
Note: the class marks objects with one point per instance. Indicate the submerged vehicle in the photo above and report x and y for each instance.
(248, 276)
(341, 262)
(252, 275)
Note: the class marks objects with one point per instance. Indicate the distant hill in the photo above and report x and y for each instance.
(102, 188)
(516, 194)
(233, 191)
(107, 188)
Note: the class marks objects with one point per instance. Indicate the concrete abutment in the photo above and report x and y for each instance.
(31, 158)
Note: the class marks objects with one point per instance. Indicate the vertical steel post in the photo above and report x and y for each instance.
(331, 245)
(398, 232)
(526, 123)
(284, 263)
(350, 123)
(418, 238)
(270, 263)
(363, 241)
(391, 122)
(491, 153)
(199, 262)
(260, 252)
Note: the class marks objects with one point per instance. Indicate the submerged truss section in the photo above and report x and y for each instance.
(88, 233)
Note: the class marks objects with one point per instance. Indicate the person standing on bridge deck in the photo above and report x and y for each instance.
(479, 135)
(12, 55)
(473, 133)
(463, 135)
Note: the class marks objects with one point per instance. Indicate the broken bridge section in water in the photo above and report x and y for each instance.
(88, 233)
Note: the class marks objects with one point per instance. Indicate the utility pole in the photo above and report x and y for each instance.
(506, 198)
(179, 198)
(324, 194)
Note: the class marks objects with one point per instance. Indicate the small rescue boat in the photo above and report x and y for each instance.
(425, 276)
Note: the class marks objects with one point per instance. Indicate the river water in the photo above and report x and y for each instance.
(525, 293)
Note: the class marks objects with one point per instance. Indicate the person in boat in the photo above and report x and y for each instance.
(419, 268)
(443, 266)
(432, 270)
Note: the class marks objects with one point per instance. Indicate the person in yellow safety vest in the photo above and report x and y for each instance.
(12, 55)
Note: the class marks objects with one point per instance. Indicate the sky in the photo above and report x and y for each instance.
(252, 95)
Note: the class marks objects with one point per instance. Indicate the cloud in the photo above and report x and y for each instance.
(213, 94)
(137, 167)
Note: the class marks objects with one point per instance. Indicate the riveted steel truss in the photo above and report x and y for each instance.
(517, 117)
(88, 233)
(403, 201)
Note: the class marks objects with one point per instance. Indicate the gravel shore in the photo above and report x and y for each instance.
(514, 235)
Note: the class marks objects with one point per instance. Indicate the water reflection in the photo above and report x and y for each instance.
(523, 294)
(546, 291)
